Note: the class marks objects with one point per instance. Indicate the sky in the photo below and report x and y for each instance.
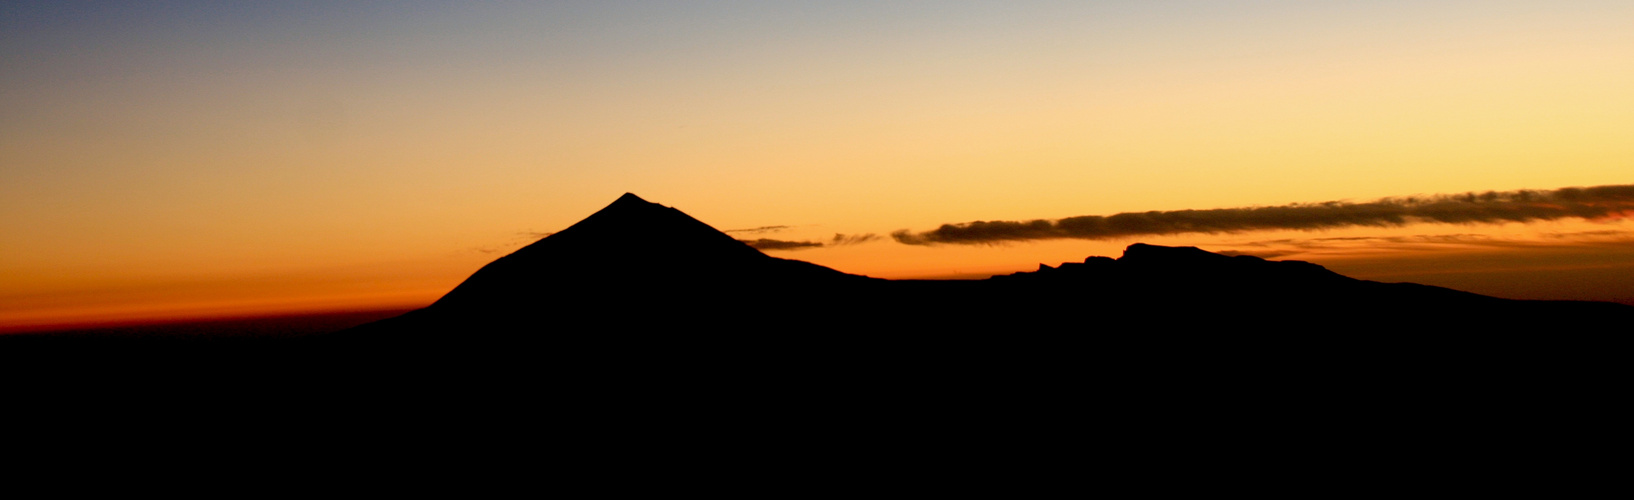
(164, 160)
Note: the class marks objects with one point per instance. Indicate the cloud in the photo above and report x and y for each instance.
(1371, 241)
(521, 238)
(1426, 241)
(1269, 254)
(1587, 247)
(770, 244)
(759, 230)
(839, 240)
(1593, 203)
(843, 239)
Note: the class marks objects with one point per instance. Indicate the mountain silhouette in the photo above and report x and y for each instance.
(665, 321)
(641, 324)
(629, 249)
(632, 264)
(637, 266)
(649, 277)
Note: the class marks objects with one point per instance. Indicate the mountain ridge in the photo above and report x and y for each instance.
(601, 315)
(656, 268)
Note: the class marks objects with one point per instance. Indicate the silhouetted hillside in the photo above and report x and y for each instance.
(643, 309)
(641, 268)
(641, 279)
(642, 325)
(632, 265)
(630, 252)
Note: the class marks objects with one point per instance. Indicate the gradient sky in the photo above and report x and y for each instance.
(179, 159)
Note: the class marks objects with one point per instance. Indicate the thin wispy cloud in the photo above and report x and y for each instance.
(1580, 239)
(1263, 254)
(839, 239)
(759, 230)
(1584, 248)
(519, 239)
(852, 239)
(771, 244)
(1592, 203)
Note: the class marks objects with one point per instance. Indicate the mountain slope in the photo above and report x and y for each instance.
(640, 266)
(630, 246)
(633, 263)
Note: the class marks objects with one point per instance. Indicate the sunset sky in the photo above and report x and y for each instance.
(172, 160)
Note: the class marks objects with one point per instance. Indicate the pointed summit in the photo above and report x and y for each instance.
(627, 245)
(629, 201)
(633, 229)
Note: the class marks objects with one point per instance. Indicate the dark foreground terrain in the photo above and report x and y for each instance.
(647, 286)
(641, 328)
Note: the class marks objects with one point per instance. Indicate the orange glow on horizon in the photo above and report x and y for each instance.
(148, 313)
(272, 157)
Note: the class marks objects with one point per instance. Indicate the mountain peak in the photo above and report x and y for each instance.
(631, 222)
(629, 198)
(627, 203)
(631, 242)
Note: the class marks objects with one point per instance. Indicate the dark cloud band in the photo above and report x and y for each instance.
(839, 239)
(771, 244)
(1470, 208)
